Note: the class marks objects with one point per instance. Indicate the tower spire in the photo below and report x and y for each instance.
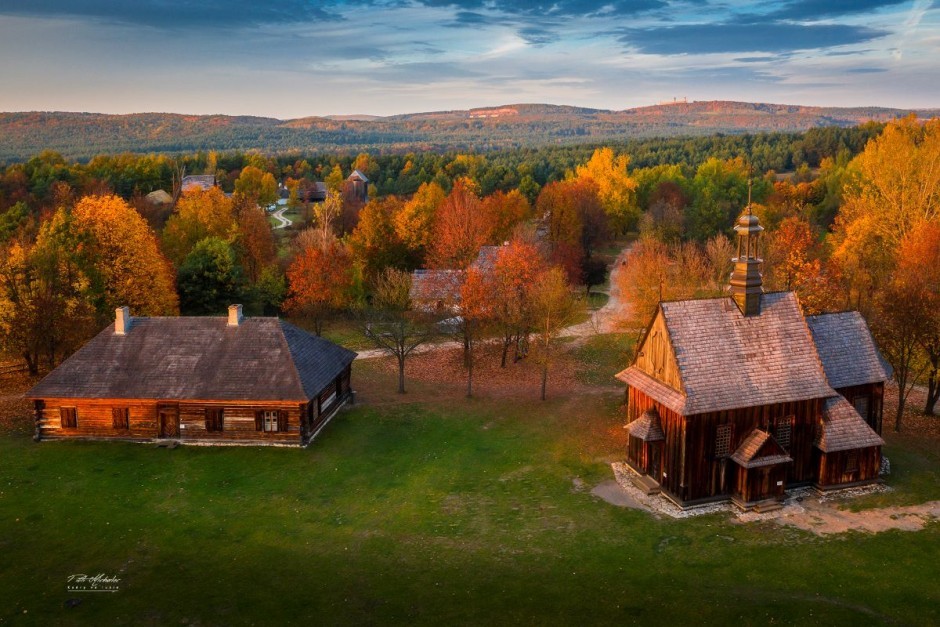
(746, 279)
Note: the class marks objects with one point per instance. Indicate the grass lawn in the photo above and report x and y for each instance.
(423, 509)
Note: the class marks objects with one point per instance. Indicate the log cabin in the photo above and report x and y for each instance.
(195, 380)
(742, 397)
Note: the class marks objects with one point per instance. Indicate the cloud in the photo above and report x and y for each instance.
(175, 14)
(744, 37)
(809, 10)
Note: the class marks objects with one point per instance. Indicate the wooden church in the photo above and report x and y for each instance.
(742, 397)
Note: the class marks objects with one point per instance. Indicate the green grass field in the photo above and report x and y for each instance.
(427, 509)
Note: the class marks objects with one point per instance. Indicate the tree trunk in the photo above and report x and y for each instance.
(933, 386)
(507, 341)
(544, 378)
(317, 326)
(31, 364)
(470, 373)
(401, 374)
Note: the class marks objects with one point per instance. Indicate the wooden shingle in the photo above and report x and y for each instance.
(647, 427)
(842, 428)
(759, 449)
(202, 358)
(847, 350)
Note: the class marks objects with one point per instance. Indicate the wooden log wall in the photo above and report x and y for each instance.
(94, 420)
(690, 469)
(833, 472)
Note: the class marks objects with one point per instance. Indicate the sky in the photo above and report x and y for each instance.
(297, 58)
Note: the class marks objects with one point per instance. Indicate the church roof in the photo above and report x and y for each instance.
(843, 429)
(847, 350)
(199, 358)
(647, 427)
(727, 360)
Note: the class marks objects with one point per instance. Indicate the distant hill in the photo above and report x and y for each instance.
(83, 135)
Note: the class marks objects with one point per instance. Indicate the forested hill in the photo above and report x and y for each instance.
(83, 135)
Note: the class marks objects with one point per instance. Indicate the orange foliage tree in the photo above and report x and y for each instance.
(505, 211)
(460, 229)
(514, 272)
(476, 311)
(553, 308)
(320, 280)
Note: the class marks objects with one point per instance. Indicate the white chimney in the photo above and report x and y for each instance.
(122, 320)
(234, 315)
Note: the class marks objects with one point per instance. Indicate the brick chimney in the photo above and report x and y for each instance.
(234, 315)
(122, 320)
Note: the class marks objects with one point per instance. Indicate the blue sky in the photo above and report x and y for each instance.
(296, 58)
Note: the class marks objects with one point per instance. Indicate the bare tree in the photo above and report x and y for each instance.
(391, 325)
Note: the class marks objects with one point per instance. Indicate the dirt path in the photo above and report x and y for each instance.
(607, 319)
(279, 216)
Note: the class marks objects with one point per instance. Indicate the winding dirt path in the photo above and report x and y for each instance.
(279, 216)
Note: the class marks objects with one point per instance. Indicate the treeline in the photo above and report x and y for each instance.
(35, 180)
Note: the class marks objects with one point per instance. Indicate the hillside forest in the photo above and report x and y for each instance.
(851, 218)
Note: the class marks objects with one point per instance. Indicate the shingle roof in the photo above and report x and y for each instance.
(647, 427)
(202, 181)
(436, 285)
(486, 258)
(637, 379)
(843, 429)
(847, 350)
(748, 454)
(727, 360)
(199, 358)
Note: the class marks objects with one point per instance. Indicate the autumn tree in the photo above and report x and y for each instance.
(793, 261)
(615, 188)
(255, 241)
(258, 185)
(895, 189)
(414, 223)
(374, 242)
(553, 308)
(476, 311)
(720, 190)
(390, 323)
(576, 224)
(918, 275)
(665, 218)
(326, 214)
(460, 229)
(514, 272)
(44, 312)
(199, 214)
(210, 278)
(505, 211)
(128, 266)
(319, 279)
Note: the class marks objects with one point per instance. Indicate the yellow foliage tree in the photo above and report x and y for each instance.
(616, 189)
(199, 214)
(127, 260)
(414, 224)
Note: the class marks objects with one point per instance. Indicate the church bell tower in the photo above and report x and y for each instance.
(746, 280)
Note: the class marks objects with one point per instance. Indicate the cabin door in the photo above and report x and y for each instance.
(169, 422)
(656, 456)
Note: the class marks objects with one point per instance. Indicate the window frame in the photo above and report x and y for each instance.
(266, 418)
(68, 415)
(851, 461)
(724, 435)
(121, 418)
(215, 419)
(787, 422)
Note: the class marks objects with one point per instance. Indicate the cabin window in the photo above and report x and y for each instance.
(723, 440)
(270, 421)
(328, 400)
(119, 417)
(783, 430)
(214, 418)
(69, 417)
(851, 461)
(861, 406)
